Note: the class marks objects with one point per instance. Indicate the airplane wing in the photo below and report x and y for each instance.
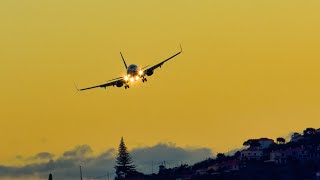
(161, 63)
(111, 82)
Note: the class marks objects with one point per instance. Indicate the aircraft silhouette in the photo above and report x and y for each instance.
(133, 73)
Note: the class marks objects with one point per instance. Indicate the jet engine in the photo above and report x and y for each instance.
(119, 83)
(149, 72)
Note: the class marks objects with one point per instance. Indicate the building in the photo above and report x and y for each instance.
(282, 156)
(278, 157)
(318, 175)
(231, 165)
(214, 167)
(201, 172)
(251, 154)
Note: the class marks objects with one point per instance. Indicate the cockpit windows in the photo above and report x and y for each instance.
(133, 66)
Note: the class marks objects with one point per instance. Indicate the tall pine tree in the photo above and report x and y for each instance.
(124, 164)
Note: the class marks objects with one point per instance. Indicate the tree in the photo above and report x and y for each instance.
(237, 154)
(246, 143)
(309, 132)
(124, 164)
(281, 140)
(255, 143)
(252, 143)
(295, 135)
(221, 157)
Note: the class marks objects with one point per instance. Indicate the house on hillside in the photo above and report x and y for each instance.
(231, 165)
(283, 155)
(278, 157)
(214, 167)
(251, 154)
(201, 172)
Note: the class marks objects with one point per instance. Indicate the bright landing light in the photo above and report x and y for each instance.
(126, 78)
(140, 72)
(132, 79)
(137, 78)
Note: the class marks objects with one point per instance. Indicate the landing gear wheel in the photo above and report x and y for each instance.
(144, 80)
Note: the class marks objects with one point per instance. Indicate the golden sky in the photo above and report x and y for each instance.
(249, 69)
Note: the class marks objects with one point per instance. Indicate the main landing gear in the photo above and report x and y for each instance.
(144, 80)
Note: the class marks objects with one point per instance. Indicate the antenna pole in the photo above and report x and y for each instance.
(152, 167)
(80, 173)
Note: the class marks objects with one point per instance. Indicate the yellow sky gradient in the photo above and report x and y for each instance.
(249, 69)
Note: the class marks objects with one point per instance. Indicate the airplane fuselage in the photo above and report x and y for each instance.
(133, 74)
(132, 70)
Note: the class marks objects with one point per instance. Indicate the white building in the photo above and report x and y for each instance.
(279, 157)
(282, 156)
(251, 154)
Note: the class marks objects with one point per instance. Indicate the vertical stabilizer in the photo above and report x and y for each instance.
(125, 64)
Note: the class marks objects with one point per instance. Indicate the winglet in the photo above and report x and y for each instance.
(76, 87)
(180, 48)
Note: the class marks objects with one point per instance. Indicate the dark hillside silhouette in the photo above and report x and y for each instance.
(261, 159)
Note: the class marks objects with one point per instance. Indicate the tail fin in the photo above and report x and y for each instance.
(125, 64)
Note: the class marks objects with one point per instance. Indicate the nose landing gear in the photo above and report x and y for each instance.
(126, 87)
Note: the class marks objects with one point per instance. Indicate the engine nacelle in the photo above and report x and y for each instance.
(119, 83)
(149, 73)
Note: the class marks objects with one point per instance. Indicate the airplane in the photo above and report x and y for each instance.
(133, 73)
